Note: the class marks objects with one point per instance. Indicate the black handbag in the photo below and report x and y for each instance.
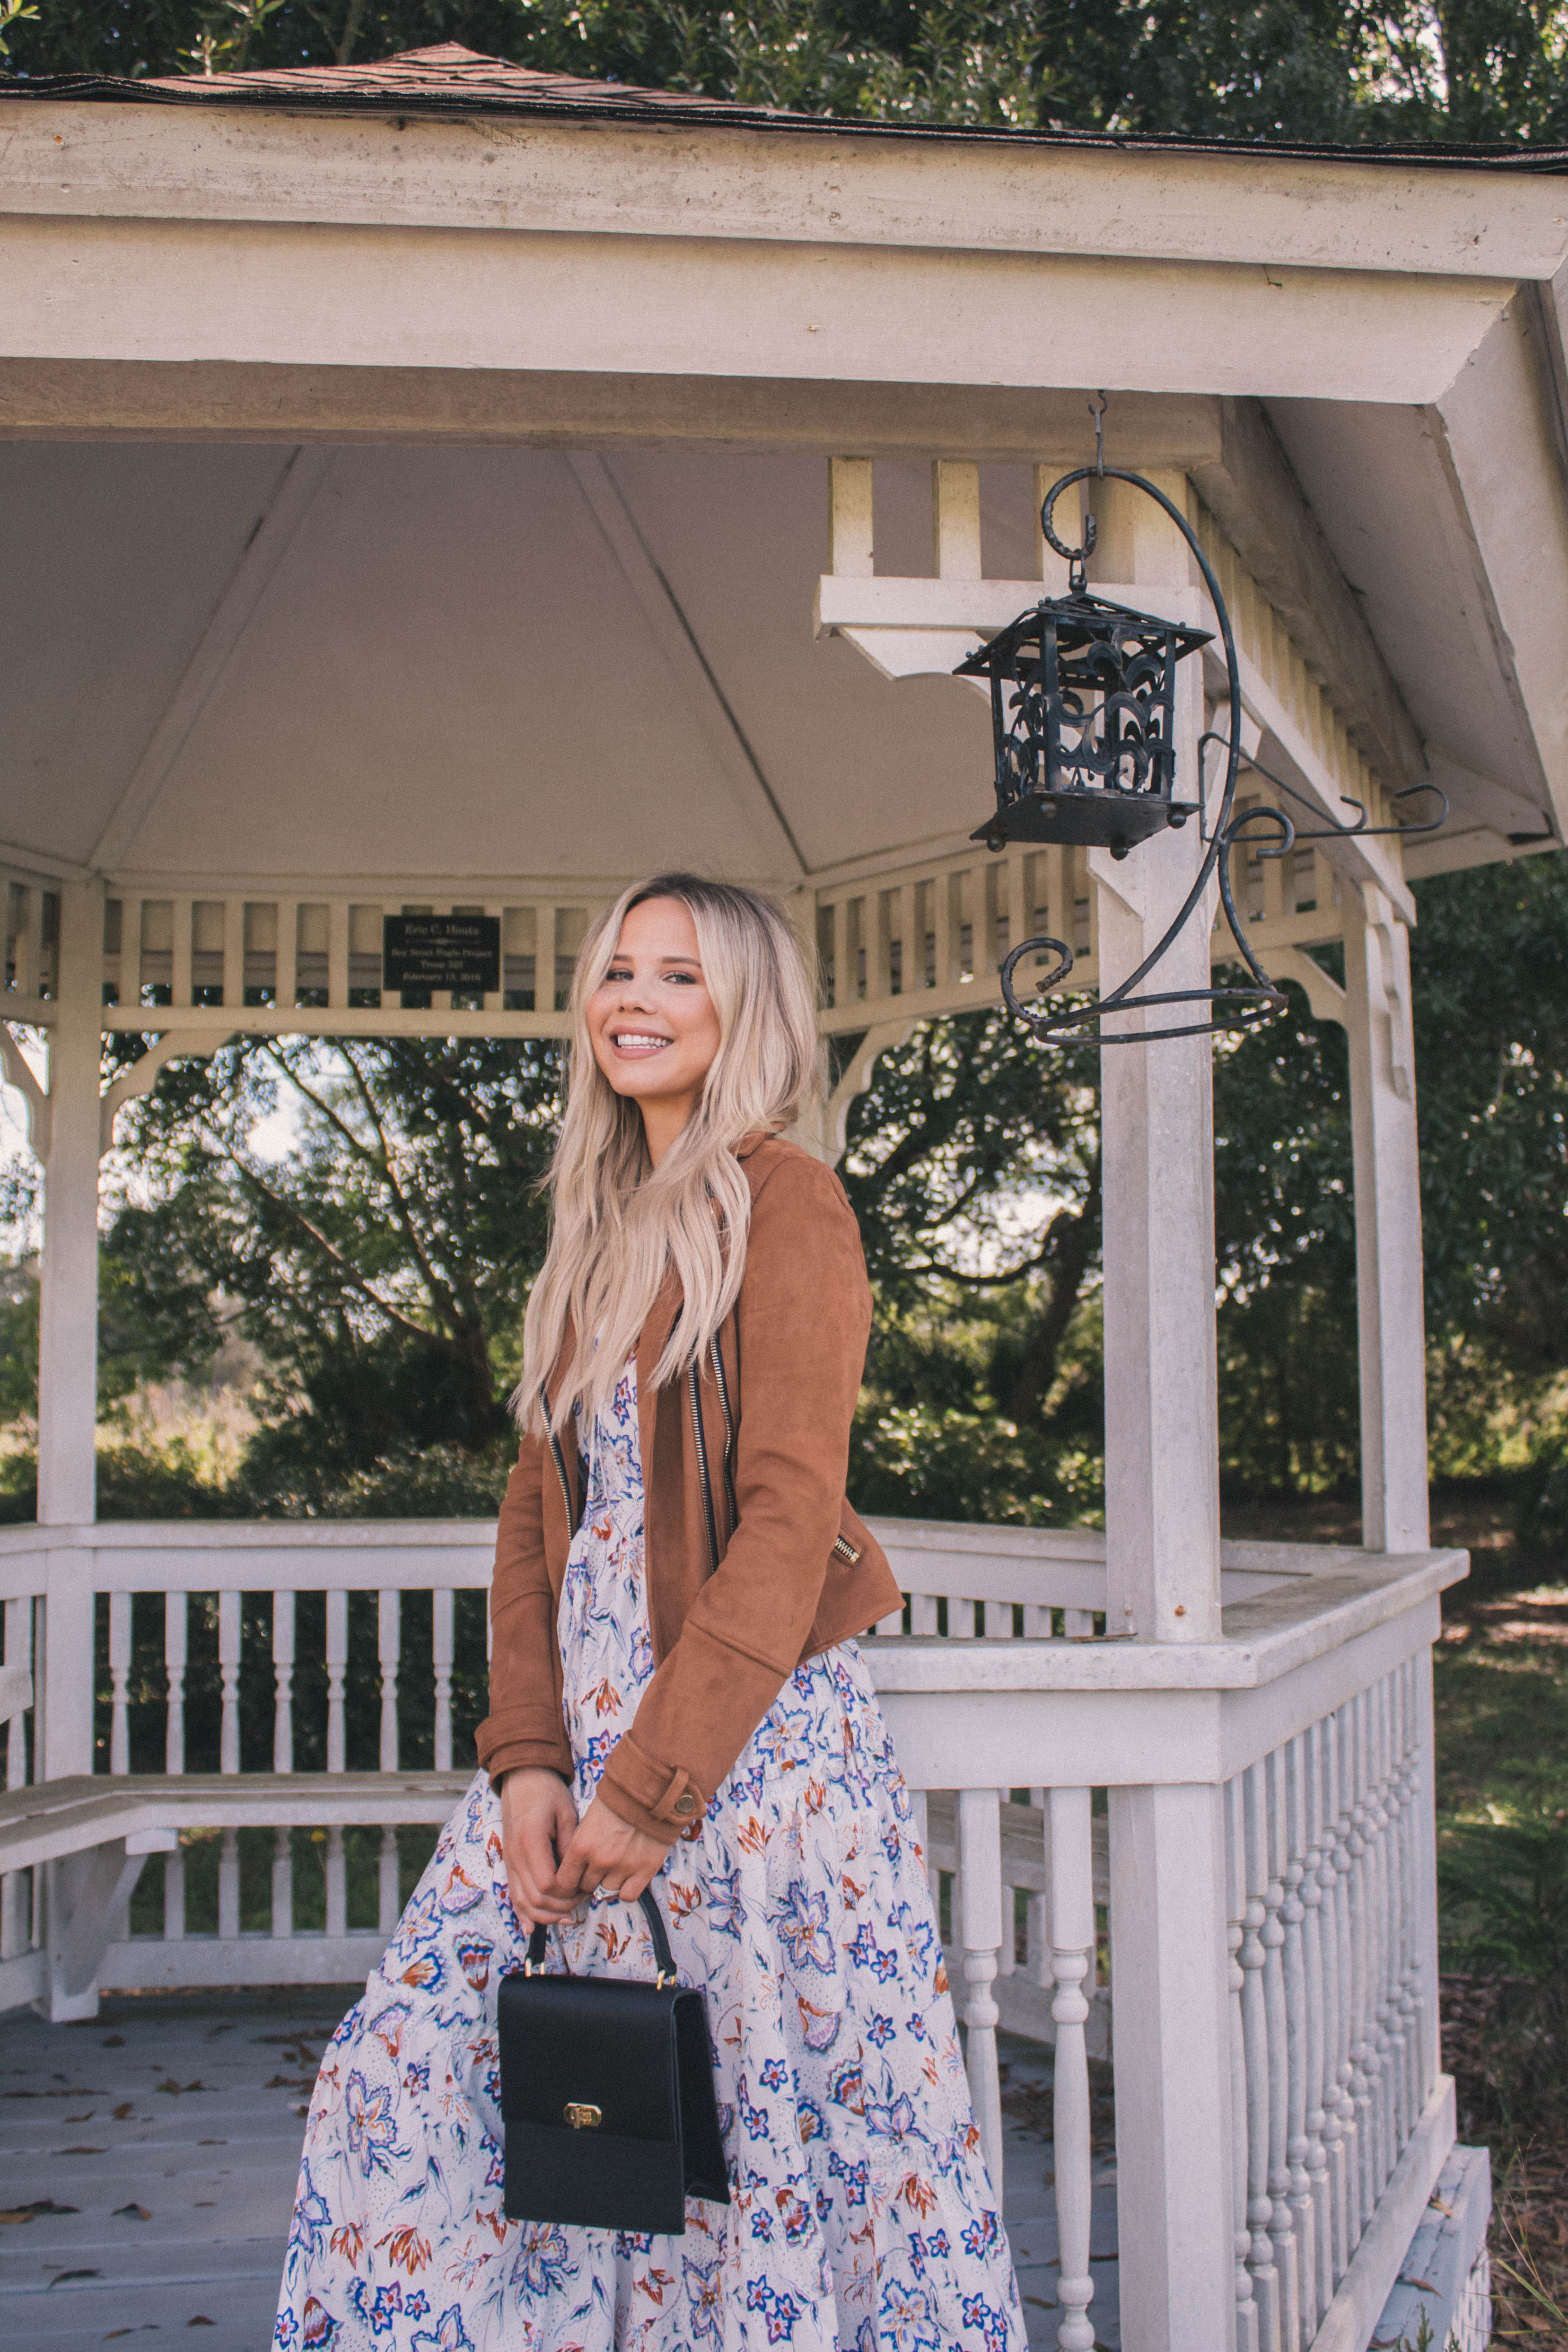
(607, 2097)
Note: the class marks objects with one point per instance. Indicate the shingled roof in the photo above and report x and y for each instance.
(444, 78)
(448, 78)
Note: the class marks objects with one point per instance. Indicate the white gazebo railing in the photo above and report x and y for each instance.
(1257, 1886)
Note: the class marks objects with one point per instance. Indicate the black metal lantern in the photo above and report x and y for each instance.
(1083, 704)
(1082, 700)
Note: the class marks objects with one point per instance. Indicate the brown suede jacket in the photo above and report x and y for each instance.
(754, 1559)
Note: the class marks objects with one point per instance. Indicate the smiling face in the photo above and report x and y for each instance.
(653, 1026)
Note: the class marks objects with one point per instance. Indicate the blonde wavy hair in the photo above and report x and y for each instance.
(621, 1226)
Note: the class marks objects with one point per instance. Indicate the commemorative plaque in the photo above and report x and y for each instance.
(456, 951)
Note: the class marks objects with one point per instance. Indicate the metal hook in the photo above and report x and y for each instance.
(1097, 411)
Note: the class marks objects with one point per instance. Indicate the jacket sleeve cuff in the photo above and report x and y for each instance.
(509, 1745)
(661, 1802)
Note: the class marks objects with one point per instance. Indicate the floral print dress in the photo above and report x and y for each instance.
(861, 2219)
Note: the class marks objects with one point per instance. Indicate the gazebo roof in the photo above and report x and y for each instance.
(397, 501)
(447, 78)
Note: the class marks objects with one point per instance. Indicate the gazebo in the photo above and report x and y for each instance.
(438, 487)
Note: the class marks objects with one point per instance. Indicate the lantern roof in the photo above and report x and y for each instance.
(1081, 616)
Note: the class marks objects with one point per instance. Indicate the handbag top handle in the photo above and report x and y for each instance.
(663, 1960)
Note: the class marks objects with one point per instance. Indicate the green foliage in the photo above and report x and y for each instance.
(1541, 1512)
(1489, 970)
(1307, 69)
(1505, 1888)
(973, 1165)
(18, 1339)
(383, 1267)
(1285, 1244)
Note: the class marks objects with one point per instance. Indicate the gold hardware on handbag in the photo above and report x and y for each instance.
(582, 2115)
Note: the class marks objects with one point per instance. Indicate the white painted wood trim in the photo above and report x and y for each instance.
(1375, 2264)
(98, 288)
(148, 1964)
(22, 1979)
(833, 185)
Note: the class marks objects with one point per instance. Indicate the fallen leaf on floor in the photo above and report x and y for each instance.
(31, 2212)
(61, 2276)
(206, 2204)
(123, 2112)
(114, 2332)
(81, 2151)
(212, 2143)
(289, 2083)
(132, 2212)
(199, 2322)
(115, 2042)
(72, 2091)
(81, 2119)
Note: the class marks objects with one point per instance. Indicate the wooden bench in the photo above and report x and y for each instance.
(91, 1836)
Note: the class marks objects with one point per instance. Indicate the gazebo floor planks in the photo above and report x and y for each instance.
(213, 2167)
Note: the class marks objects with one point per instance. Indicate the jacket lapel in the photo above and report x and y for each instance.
(651, 1341)
(563, 1450)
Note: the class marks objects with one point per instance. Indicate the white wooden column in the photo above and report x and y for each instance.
(67, 1301)
(1387, 1224)
(1162, 1477)
(1174, 2107)
(1175, 2223)
(68, 1334)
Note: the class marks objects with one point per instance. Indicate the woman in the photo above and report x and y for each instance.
(676, 1701)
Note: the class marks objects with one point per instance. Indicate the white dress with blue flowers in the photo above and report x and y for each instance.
(863, 2219)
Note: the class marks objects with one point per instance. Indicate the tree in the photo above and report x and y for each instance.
(384, 1273)
(1489, 965)
(1285, 1245)
(1308, 69)
(383, 1265)
(973, 1165)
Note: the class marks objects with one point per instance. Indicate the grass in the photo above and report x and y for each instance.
(1501, 1689)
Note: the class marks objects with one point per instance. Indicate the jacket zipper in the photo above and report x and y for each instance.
(699, 1433)
(723, 1385)
(559, 1462)
(845, 1551)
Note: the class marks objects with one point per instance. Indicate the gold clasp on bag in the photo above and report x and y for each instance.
(582, 2116)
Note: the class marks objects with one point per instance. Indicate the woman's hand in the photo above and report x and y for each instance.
(607, 1852)
(537, 1821)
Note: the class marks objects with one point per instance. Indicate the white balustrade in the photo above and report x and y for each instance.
(442, 1660)
(336, 1669)
(389, 1645)
(1330, 1819)
(1072, 1949)
(283, 1681)
(119, 1672)
(228, 1669)
(176, 1615)
(20, 1926)
(980, 1929)
(1010, 1710)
